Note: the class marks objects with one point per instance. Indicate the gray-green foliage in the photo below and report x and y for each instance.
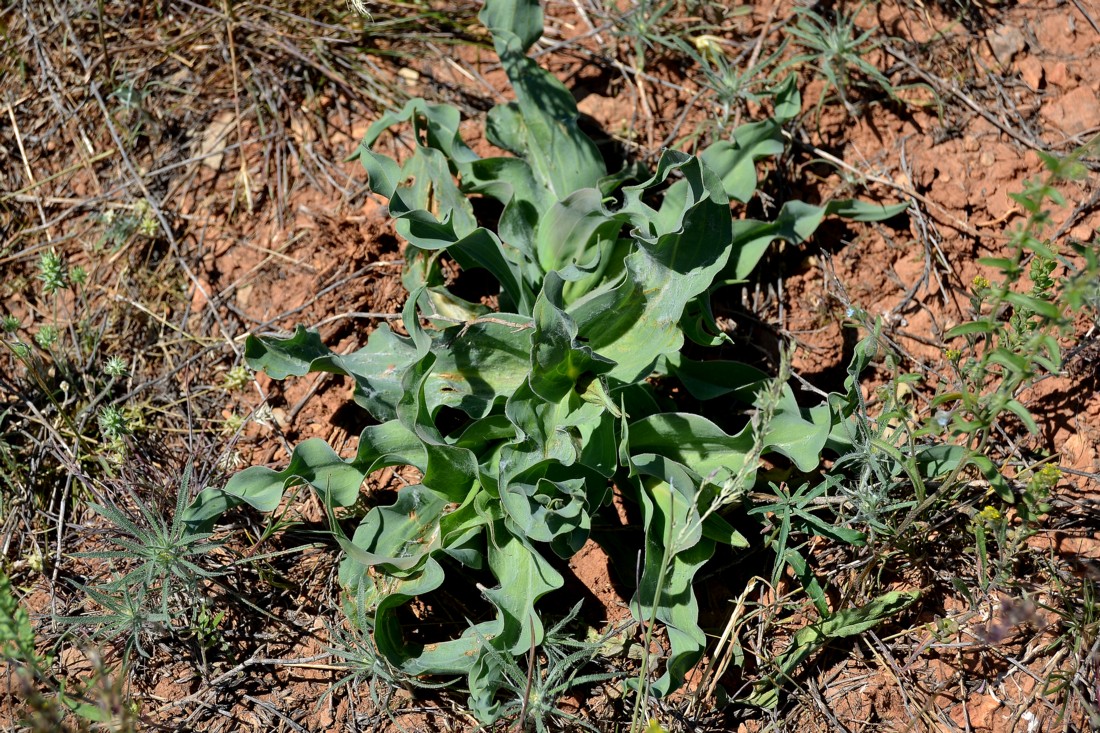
(159, 584)
(551, 394)
(529, 690)
(835, 47)
(17, 644)
(45, 705)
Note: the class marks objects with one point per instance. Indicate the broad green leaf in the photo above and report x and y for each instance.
(1010, 361)
(450, 470)
(1031, 304)
(481, 248)
(544, 510)
(558, 360)
(448, 657)
(707, 380)
(994, 476)
(399, 537)
(515, 24)
(795, 223)
(936, 461)
(383, 173)
(635, 321)
(675, 550)
(797, 433)
(313, 462)
(864, 210)
(436, 124)
(1022, 412)
(788, 100)
(461, 531)
(844, 623)
(430, 211)
(973, 327)
(735, 160)
(578, 230)
(691, 440)
(699, 324)
(545, 130)
(524, 577)
(377, 368)
(280, 358)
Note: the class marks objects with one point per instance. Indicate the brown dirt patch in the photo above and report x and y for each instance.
(271, 229)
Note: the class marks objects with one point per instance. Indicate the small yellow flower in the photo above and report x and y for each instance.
(148, 227)
(1046, 478)
(709, 46)
(989, 515)
(979, 283)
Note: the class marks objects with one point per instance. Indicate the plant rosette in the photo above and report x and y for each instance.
(549, 399)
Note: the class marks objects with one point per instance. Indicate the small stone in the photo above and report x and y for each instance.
(1031, 72)
(1054, 31)
(200, 296)
(1074, 112)
(1005, 42)
(1082, 233)
(1058, 74)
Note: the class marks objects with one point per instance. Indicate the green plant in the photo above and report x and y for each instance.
(124, 615)
(162, 584)
(45, 704)
(532, 691)
(1001, 358)
(122, 224)
(66, 378)
(730, 82)
(46, 336)
(1076, 603)
(52, 272)
(807, 508)
(112, 423)
(16, 632)
(115, 366)
(1010, 343)
(360, 660)
(837, 51)
(237, 378)
(521, 409)
(843, 623)
(644, 29)
(900, 469)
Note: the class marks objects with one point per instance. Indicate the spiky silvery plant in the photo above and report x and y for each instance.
(161, 578)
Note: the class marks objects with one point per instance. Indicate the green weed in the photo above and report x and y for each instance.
(837, 50)
(521, 408)
(502, 688)
(160, 589)
(645, 31)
